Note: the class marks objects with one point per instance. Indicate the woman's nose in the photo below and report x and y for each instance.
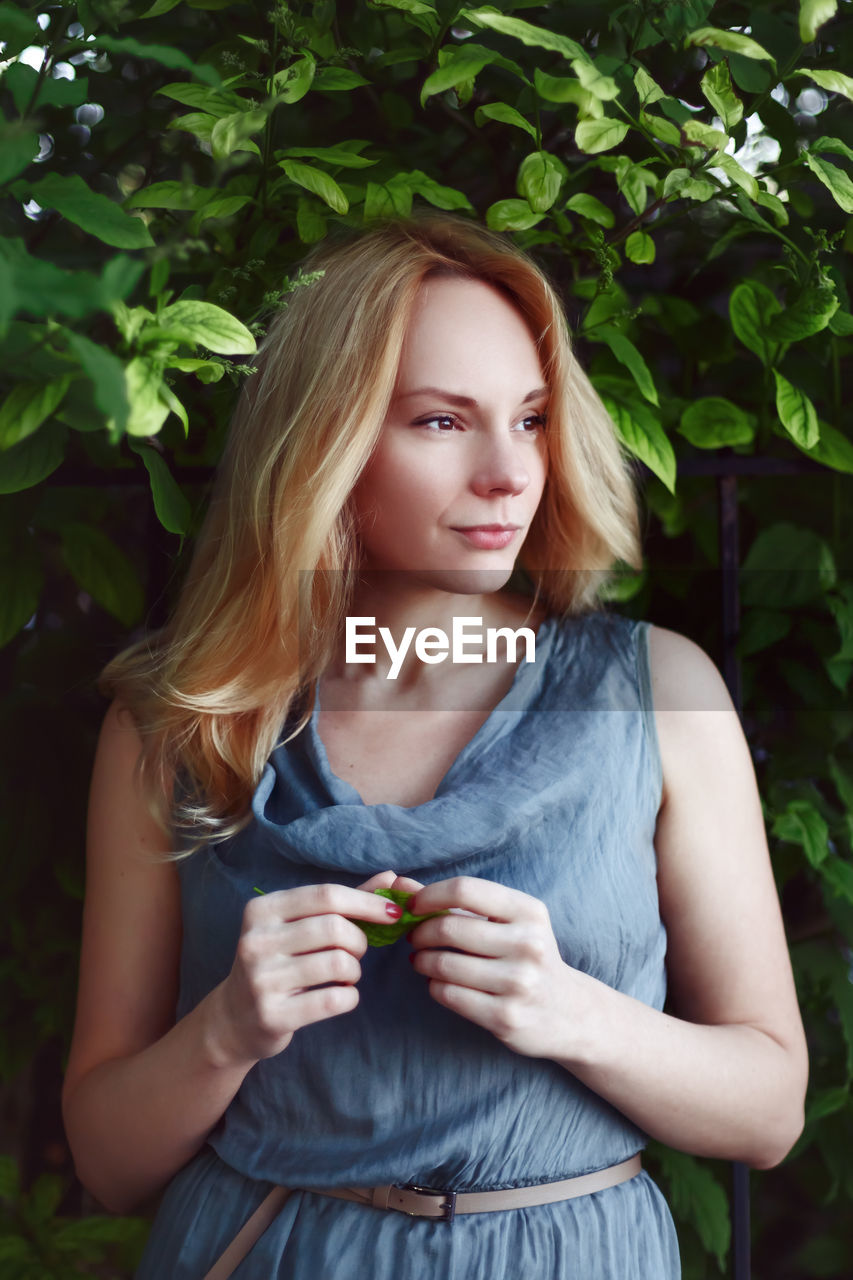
(499, 467)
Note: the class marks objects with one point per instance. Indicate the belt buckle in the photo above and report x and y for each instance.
(449, 1206)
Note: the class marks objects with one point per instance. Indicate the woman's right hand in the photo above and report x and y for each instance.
(292, 942)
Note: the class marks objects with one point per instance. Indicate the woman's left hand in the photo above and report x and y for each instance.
(505, 972)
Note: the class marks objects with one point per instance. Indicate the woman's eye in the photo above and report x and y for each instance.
(535, 420)
(444, 421)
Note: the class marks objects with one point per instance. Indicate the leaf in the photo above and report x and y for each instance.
(106, 373)
(813, 14)
(801, 824)
(664, 130)
(337, 79)
(69, 195)
(639, 428)
(568, 89)
(166, 55)
(648, 90)
(20, 590)
(28, 463)
(387, 200)
(173, 509)
(834, 179)
(26, 408)
(593, 136)
(590, 207)
(504, 114)
(806, 315)
(772, 202)
(711, 139)
(205, 370)
(530, 35)
(751, 308)
(841, 606)
(148, 412)
(233, 133)
(103, 571)
(796, 412)
(731, 41)
(737, 174)
(511, 215)
(594, 81)
(833, 81)
(628, 355)
(714, 423)
(827, 1102)
(458, 66)
(833, 449)
(680, 183)
(435, 193)
(18, 28)
(697, 1196)
(317, 182)
(843, 782)
(345, 155)
(221, 206)
(23, 82)
(292, 84)
(841, 324)
(786, 566)
(716, 85)
(833, 145)
(310, 220)
(539, 179)
(18, 148)
(761, 628)
(640, 248)
(383, 935)
(202, 98)
(205, 324)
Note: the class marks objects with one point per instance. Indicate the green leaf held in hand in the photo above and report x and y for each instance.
(382, 935)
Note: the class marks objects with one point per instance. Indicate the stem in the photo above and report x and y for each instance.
(47, 61)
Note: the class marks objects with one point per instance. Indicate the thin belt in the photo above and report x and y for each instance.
(423, 1202)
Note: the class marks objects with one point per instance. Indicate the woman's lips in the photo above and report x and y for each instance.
(488, 539)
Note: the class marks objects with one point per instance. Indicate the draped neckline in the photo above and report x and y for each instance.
(342, 792)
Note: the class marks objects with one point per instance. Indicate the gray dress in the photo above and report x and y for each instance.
(556, 795)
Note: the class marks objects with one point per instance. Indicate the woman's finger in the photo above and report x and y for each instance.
(484, 897)
(382, 880)
(317, 967)
(473, 934)
(493, 977)
(406, 884)
(320, 900)
(319, 933)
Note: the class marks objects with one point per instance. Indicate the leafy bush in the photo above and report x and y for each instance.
(682, 170)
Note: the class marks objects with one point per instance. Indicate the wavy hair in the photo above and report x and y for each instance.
(277, 558)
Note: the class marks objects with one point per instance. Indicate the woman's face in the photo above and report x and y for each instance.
(463, 444)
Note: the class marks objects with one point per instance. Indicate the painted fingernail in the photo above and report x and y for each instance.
(393, 911)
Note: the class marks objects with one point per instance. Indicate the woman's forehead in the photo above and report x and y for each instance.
(463, 323)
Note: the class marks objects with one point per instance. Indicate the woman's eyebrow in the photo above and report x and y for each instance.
(467, 402)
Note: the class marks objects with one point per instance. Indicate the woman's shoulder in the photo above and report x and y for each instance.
(683, 676)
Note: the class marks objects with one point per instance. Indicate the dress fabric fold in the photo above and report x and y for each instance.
(556, 795)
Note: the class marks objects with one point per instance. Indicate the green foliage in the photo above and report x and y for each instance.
(684, 172)
(38, 1242)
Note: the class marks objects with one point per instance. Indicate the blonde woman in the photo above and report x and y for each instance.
(576, 816)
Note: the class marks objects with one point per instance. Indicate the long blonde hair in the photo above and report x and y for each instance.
(277, 558)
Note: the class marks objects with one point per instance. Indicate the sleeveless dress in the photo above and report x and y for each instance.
(555, 795)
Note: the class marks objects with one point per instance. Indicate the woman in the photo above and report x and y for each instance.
(564, 818)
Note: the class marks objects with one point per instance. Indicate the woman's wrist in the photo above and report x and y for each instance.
(220, 1048)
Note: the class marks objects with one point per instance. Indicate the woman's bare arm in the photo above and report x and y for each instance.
(142, 1093)
(725, 1073)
